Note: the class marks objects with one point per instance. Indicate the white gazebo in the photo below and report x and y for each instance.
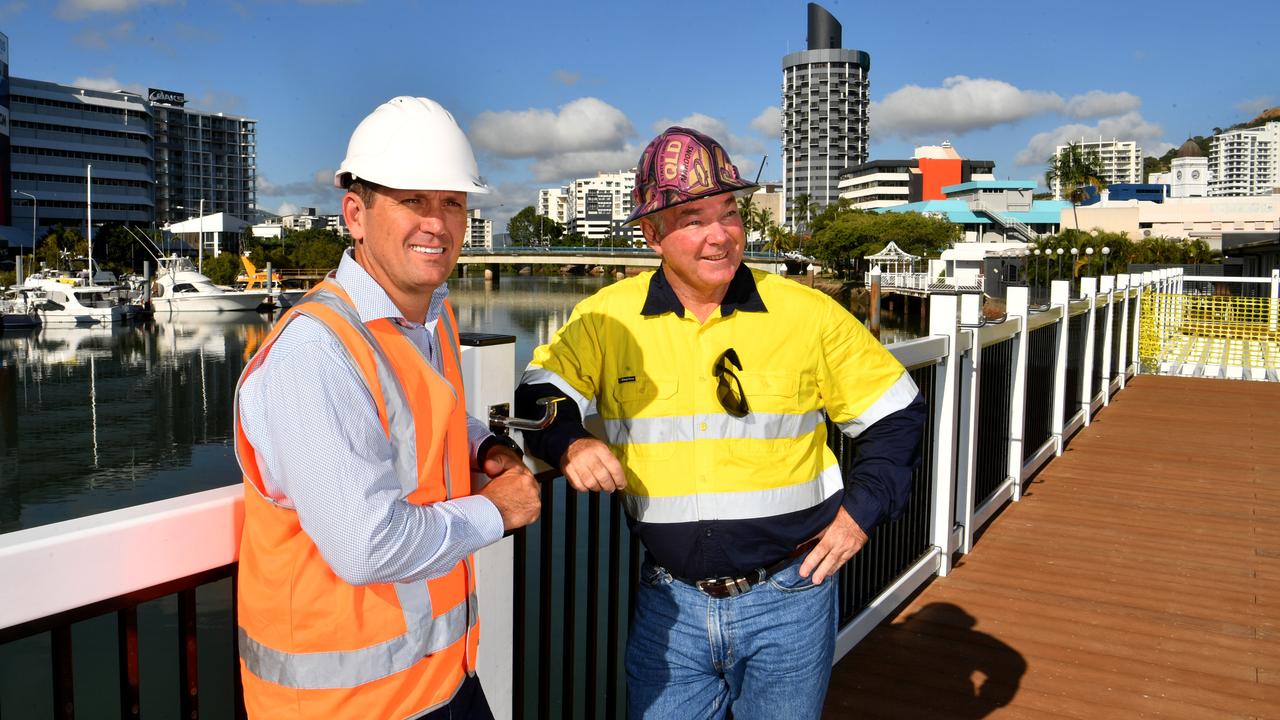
(894, 260)
(217, 229)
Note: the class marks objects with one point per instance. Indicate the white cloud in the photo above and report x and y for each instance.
(566, 166)
(287, 208)
(769, 122)
(1130, 126)
(77, 9)
(1255, 106)
(741, 149)
(108, 84)
(1097, 104)
(566, 77)
(319, 188)
(582, 126)
(219, 101)
(961, 105)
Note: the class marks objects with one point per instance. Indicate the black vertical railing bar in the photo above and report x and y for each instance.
(613, 605)
(1041, 366)
(544, 599)
(568, 697)
(1075, 367)
(188, 667)
(1117, 335)
(127, 653)
(1099, 339)
(995, 390)
(593, 604)
(894, 546)
(1134, 332)
(64, 692)
(237, 682)
(519, 622)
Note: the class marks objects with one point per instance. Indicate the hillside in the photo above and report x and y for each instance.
(1161, 164)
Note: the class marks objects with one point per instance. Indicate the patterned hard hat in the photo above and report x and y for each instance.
(678, 166)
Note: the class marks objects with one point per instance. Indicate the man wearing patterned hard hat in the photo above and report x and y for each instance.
(714, 383)
(356, 579)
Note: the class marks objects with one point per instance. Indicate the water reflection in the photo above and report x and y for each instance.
(95, 419)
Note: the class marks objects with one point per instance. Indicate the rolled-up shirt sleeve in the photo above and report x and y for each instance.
(323, 452)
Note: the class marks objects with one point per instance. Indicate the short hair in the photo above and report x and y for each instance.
(365, 190)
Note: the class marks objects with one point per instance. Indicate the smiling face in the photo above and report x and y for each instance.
(408, 241)
(701, 245)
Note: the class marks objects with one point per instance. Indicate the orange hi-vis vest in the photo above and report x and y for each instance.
(312, 645)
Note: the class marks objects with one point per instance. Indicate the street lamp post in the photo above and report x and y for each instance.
(1075, 252)
(1089, 255)
(1059, 272)
(1039, 280)
(1106, 251)
(35, 210)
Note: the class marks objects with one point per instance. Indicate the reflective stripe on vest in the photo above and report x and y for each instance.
(352, 668)
(735, 505)
(424, 634)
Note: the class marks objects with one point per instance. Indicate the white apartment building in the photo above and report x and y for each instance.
(553, 203)
(1245, 161)
(593, 207)
(1121, 160)
(479, 231)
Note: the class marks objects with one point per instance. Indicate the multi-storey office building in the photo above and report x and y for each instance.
(56, 133)
(1121, 160)
(824, 113)
(202, 156)
(1245, 161)
(886, 183)
(153, 161)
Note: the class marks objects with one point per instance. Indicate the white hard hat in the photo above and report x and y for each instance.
(411, 143)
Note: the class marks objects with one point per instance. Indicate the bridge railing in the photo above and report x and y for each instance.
(1005, 396)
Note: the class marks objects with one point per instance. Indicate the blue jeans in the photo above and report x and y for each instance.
(766, 653)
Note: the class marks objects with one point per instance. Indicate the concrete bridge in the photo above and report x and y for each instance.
(592, 256)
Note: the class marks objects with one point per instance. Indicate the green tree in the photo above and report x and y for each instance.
(803, 210)
(222, 270)
(1073, 170)
(317, 249)
(527, 227)
(850, 235)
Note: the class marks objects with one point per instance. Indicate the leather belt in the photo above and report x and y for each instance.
(731, 586)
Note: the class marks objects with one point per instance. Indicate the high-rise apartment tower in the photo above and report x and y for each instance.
(824, 114)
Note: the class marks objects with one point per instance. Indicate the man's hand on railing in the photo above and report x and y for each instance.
(589, 466)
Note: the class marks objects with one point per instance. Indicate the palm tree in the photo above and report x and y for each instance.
(1072, 170)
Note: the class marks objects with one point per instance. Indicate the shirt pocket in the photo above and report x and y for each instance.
(642, 423)
(777, 415)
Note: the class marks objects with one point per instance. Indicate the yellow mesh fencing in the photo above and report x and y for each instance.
(1220, 335)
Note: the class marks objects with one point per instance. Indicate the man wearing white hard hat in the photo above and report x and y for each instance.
(356, 593)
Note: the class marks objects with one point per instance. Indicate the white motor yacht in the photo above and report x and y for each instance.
(179, 288)
(62, 302)
(16, 312)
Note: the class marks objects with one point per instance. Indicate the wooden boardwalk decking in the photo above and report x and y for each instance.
(1139, 577)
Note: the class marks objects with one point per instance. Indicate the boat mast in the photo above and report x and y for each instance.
(88, 217)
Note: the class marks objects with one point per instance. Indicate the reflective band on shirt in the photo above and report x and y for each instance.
(718, 426)
(736, 505)
(535, 375)
(353, 668)
(898, 396)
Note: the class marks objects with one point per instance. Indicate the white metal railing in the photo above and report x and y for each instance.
(925, 282)
(84, 561)
(1021, 228)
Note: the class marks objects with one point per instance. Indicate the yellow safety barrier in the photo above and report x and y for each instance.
(1218, 335)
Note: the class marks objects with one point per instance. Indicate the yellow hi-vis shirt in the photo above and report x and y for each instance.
(649, 377)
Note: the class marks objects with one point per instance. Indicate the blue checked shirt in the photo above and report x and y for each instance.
(322, 451)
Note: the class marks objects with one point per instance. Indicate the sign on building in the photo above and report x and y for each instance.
(166, 97)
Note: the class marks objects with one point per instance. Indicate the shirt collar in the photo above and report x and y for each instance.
(372, 302)
(741, 295)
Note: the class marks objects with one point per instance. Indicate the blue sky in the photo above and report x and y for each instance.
(553, 90)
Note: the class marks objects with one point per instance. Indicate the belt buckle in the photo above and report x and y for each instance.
(724, 586)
